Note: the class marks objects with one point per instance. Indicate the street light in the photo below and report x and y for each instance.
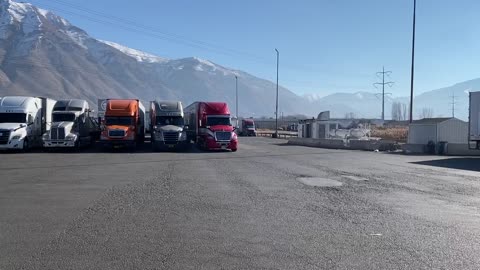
(413, 62)
(276, 104)
(236, 99)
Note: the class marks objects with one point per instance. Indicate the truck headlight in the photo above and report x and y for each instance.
(45, 136)
(71, 137)
(16, 137)
(183, 136)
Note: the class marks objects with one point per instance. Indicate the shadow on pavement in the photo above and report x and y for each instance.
(469, 164)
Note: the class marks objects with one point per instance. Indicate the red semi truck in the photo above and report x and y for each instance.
(209, 125)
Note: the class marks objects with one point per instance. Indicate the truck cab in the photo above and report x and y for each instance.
(123, 123)
(247, 128)
(72, 125)
(167, 125)
(23, 120)
(210, 126)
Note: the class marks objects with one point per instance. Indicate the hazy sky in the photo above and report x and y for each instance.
(325, 46)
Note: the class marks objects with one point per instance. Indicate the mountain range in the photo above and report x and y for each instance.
(42, 54)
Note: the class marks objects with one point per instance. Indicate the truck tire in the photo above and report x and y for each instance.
(234, 150)
(76, 147)
(26, 145)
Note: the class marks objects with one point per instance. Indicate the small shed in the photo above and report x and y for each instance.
(451, 130)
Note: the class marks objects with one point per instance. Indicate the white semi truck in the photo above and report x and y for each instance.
(72, 125)
(474, 120)
(23, 121)
(167, 125)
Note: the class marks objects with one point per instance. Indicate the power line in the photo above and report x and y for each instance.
(383, 83)
(149, 33)
(135, 27)
(154, 29)
(139, 28)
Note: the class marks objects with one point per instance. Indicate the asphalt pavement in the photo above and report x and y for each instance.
(268, 206)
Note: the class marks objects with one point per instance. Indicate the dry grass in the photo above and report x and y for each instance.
(398, 134)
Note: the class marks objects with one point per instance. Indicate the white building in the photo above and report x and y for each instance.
(317, 128)
(451, 130)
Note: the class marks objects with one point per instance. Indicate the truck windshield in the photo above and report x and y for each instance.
(170, 120)
(121, 121)
(13, 118)
(250, 126)
(60, 117)
(218, 121)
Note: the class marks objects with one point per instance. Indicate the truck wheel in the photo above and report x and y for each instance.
(26, 146)
(234, 150)
(76, 147)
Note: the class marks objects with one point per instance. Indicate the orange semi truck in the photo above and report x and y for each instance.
(123, 123)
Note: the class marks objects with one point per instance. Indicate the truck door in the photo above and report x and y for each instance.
(43, 116)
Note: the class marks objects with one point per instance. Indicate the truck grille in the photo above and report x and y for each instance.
(116, 133)
(170, 137)
(5, 136)
(223, 135)
(57, 133)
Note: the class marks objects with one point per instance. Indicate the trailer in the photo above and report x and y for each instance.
(474, 121)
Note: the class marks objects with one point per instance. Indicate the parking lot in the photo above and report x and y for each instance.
(269, 205)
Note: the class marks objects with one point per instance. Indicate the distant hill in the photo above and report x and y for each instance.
(43, 54)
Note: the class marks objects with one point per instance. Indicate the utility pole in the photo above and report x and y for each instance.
(236, 99)
(383, 83)
(413, 62)
(276, 103)
(453, 104)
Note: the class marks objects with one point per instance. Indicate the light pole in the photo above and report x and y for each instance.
(276, 103)
(413, 62)
(236, 99)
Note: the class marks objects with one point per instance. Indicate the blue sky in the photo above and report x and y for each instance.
(325, 46)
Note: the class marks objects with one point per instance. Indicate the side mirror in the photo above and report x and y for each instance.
(23, 125)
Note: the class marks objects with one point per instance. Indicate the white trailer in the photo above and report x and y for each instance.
(72, 126)
(23, 121)
(474, 119)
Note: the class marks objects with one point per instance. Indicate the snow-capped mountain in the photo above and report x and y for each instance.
(43, 54)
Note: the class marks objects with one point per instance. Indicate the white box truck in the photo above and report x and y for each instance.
(72, 125)
(474, 120)
(23, 121)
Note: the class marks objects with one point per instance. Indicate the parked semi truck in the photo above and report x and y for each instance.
(72, 125)
(123, 123)
(247, 128)
(209, 125)
(474, 120)
(167, 125)
(23, 121)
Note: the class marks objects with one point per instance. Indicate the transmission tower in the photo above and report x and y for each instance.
(453, 103)
(383, 83)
